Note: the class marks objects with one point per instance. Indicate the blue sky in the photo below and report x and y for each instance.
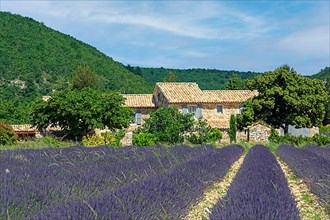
(231, 35)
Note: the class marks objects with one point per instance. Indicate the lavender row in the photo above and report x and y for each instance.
(50, 177)
(320, 151)
(166, 196)
(312, 168)
(259, 191)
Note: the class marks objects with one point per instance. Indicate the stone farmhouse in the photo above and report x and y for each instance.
(215, 106)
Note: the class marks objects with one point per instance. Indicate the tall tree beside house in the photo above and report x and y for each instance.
(235, 83)
(78, 112)
(232, 129)
(285, 98)
(171, 77)
(83, 77)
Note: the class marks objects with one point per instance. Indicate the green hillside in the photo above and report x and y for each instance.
(206, 78)
(41, 57)
(323, 74)
(35, 60)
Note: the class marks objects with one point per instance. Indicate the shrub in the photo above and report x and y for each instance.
(92, 140)
(168, 125)
(109, 138)
(203, 133)
(320, 140)
(51, 141)
(119, 134)
(7, 134)
(317, 139)
(144, 139)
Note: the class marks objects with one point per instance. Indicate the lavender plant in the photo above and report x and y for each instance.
(312, 168)
(164, 196)
(259, 191)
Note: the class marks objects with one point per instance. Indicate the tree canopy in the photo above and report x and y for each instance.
(235, 83)
(168, 125)
(285, 98)
(83, 77)
(80, 111)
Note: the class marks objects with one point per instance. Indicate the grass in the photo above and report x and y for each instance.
(39, 143)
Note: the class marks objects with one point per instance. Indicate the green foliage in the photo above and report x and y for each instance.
(84, 77)
(118, 134)
(317, 139)
(235, 83)
(106, 138)
(205, 78)
(35, 60)
(203, 133)
(144, 139)
(323, 74)
(52, 141)
(168, 125)
(92, 140)
(79, 112)
(327, 105)
(285, 98)
(7, 134)
(171, 77)
(325, 129)
(232, 129)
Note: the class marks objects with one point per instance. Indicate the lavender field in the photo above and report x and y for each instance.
(153, 182)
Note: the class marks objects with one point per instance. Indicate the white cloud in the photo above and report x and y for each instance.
(312, 41)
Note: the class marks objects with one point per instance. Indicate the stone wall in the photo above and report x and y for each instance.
(258, 132)
(209, 112)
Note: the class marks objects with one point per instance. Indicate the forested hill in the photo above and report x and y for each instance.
(39, 58)
(323, 74)
(206, 78)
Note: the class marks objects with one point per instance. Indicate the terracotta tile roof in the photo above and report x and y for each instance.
(139, 100)
(24, 128)
(191, 93)
(181, 92)
(231, 96)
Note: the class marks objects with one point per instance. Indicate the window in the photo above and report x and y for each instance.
(219, 109)
(241, 106)
(138, 117)
(192, 109)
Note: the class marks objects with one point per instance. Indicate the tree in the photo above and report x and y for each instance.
(79, 112)
(232, 129)
(168, 125)
(7, 134)
(84, 77)
(285, 98)
(327, 105)
(235, 83)
(171, 77)
(204, 133)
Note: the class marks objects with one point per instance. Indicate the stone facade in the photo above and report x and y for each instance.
(258, 132)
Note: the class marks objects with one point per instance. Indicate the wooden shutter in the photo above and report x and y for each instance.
(184, 109)
(138, 117)
(198, 113)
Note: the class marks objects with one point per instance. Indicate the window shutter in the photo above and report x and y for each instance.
(241, 106)
(138, 117)
(199, 111)
(184, 109)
